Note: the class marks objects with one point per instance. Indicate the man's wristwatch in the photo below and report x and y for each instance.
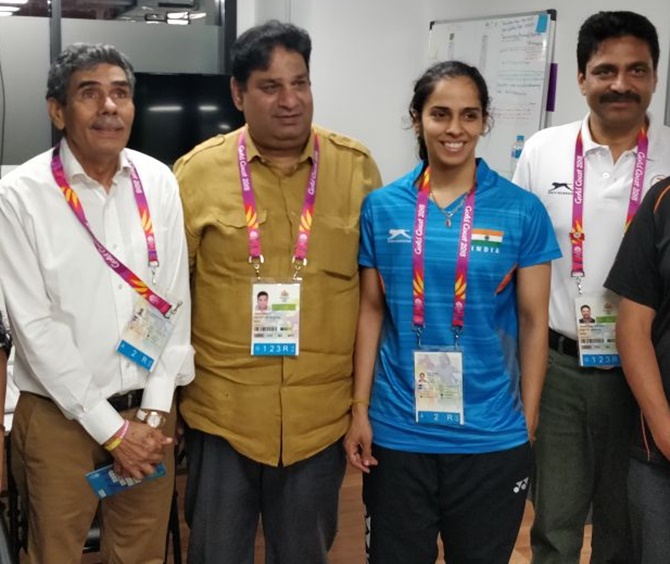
(155, 419)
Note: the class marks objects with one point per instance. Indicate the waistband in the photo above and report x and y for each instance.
(120, 402)
(562, 344)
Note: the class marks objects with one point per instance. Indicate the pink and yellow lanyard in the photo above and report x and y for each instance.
(577, 233)
(462, 259)
(134, 281)
(251, 210)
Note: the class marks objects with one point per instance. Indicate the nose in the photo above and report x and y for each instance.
(454, 126)
(288, 98)
(620, 83)
(109, 104)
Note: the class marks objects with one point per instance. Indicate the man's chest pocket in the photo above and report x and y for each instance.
(226, 240)
(333, 249)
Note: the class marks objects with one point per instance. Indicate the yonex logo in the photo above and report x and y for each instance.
(521, 486)
(399, 236)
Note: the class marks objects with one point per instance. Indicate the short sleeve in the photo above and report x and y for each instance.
(366, 253)
(539, 242)
(635, 273)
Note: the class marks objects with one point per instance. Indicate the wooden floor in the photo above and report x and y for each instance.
(349, 549)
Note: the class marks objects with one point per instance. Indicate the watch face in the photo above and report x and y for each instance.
(154, 419)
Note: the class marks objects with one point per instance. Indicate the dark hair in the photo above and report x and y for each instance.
(425, 86)
(261, 294)
(83, 56)
(252, 50)
(607, 25)
(585, 305)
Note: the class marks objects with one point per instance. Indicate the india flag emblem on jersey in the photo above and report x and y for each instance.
(486, 240)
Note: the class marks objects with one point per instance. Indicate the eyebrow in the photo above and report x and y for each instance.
(613, 66)
(269, 79)
(89, 83)
(448, 109)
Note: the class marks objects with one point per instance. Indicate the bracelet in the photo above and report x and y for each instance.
(360, 401)
(118, 437)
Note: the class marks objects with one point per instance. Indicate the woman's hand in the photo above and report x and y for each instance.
(358, 440)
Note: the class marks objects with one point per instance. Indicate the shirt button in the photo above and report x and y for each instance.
(120, 286)
(606, 175)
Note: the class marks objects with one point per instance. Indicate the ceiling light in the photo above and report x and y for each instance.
(165, 108)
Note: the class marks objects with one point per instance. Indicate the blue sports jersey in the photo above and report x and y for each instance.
(511, 230)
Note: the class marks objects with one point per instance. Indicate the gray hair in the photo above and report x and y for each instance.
(83, 56)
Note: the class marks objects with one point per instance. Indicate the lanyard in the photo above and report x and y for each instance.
(577, 232)
(251, 210)
(462, 258)
(134, 281)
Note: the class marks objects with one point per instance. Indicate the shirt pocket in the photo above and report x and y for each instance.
(334, 246)
(226, 242)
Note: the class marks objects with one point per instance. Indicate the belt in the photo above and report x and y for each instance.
(563, 344)
(129, 400)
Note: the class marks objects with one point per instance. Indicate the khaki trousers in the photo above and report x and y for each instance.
(50, 455)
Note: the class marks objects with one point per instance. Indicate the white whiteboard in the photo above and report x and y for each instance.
(514, 53)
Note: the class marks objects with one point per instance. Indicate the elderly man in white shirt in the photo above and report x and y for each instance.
(96, 282)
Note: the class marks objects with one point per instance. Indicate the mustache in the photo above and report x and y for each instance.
(611, 97)
(109, 122)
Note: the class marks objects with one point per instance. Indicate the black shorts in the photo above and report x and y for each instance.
(474, 501)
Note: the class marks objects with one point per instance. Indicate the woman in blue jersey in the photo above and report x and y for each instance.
(451, 347)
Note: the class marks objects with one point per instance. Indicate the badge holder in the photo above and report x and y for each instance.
(595, 317)
(438, 385)
(275, 317)
(145, 336)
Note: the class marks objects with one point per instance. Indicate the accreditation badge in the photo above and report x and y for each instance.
(145, 336)
(596, 320)
(275, 319)
(438, 386)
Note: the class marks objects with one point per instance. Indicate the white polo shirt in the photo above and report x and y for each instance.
(546, 168)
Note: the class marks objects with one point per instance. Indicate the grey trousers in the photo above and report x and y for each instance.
(649, 501)
(581, 459)
(226, 493)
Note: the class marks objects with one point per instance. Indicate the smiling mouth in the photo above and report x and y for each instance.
(453, 145)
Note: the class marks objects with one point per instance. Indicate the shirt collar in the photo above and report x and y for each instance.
(254, 153)
(590, 144)
(74, 170)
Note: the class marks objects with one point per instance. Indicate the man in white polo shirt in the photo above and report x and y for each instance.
(591, 176)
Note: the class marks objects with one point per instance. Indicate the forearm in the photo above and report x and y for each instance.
(533, 308)
(641, 369)
(533, 362)
(370, 318)
(365, 355)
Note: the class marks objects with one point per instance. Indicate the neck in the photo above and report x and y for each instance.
(283, 155)
(102, 173)
(618, 139)
(449, 183)
(101, 169)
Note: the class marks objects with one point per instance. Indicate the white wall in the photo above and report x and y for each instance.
(367, 53)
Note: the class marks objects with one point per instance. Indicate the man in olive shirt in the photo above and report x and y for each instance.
(272, 207)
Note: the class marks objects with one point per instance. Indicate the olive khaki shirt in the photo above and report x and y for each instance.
(274, 410)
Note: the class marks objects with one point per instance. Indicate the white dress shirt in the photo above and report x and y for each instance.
(67, 308)
(546, 168)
